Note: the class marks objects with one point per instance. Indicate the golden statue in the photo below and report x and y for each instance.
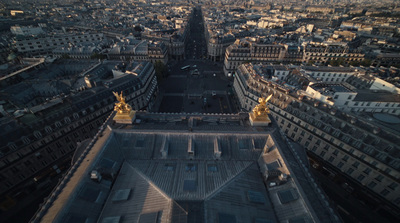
(125, 114)
(259, 115)
(121, 106)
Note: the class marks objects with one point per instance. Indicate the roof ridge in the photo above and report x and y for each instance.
(227, 182)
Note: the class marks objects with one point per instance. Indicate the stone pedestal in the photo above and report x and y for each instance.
(259, 120)
(125, 117)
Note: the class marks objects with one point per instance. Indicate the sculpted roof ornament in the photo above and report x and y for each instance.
(262, 110)
(125, 114)
(259, 115)
(121, 106)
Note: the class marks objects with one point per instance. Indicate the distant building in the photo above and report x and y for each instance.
(348, 89)
(321, 9)
(136, 50)
(384, 30)
(221, 30)
(330, 75)
(217, 46)
(26, 30)
(16, 12)
(77, 52)
(254, 50)
(386, 60)
(325, 52)
(174, 39)
(187, 168)
(44, 44)
(353, 25)
(5, 51)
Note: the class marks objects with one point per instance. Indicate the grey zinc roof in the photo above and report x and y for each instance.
(243, 147)
(313, 203)
(144, 202)
(190, 180)
(147, 174)
(232, 200)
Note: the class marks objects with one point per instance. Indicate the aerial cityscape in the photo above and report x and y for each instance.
(199, 111)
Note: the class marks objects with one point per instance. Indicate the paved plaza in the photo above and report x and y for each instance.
(207, 92)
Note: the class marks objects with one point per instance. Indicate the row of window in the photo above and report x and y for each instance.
(307, 143)
(377, 104)
(328, 74)
(51, 156)
(345, 158)
(349, 171)
(333, 55)
(331, 138)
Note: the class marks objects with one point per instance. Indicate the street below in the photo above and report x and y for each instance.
(196, 85)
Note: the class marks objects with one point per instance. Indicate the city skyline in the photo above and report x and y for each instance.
(332, 67)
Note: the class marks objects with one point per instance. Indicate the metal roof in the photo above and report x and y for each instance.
(141, 184)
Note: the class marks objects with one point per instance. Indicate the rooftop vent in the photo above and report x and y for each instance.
(95, 176)
(283, 177)
(217, 149)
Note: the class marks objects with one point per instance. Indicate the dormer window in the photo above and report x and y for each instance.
(58, 124)
(37, 134)
(75, 115)
(48, 129)
(67, 120)
(12, 146)
(26, 140)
